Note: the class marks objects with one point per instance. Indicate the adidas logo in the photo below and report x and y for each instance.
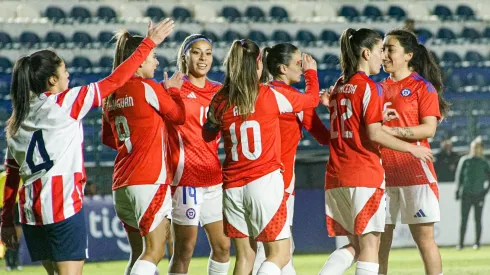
(191, 95)
(420, 214)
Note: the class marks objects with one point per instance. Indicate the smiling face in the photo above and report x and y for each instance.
(199, 58)
(395, 58)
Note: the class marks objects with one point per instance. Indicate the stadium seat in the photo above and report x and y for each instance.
(254, 13)
(155, 13)
(106, 62)
(216, 63)
(257, 36)
(181, 14)
(397, 12)
(278, 13)
(305, 37)
(329, 36)
(451, 58)
(210, 35)
(423, 34)
(446, 34)
(180, 35)
(349, 12)
(465, 12)
(470, 34)
(453, 83)
(231, 13)
(164, 64)
(281, 36)
(80, 13)
(81, 62)
(106, 13)
(81, 39)
(29, 39)
(475, 79)
(5, 64)
(106, 38)
(55, 38)
(486, 32)
(231, 35)
(443, 12)
(372, 12)
(474, 57)
(331, 60)
(55, 14)
(5, 40)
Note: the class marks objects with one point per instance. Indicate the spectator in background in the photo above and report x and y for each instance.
(90, 189)
(409, 25)
(472, 173)
(445, 161)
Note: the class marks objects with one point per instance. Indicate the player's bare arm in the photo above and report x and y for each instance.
(426, 129)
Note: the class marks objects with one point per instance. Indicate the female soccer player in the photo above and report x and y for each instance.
(354, 187)
(283, 67)
(414, 90)
(45, 147)
(195, 167)
(247, 114)
(134, 120)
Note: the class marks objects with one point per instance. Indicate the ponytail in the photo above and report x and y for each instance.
(273, 58)
(266, 75)
(423, 62)
(349, 61)
(30, 75)
(20, 92)
(241, 85)
(351, 44)
(126, 45)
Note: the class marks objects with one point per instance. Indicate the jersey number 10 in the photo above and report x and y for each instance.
(345, 116)
(255, 126)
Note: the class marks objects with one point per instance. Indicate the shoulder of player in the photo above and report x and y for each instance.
(421, 84)
(365, 81)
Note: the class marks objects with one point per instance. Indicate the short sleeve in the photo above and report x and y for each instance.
(372, 104)
(428, 101)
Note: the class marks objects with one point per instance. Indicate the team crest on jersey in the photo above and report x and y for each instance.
(406, 92)
(190, 213)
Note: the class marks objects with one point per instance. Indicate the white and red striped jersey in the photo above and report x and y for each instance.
(253, 145)
(134, 124)
(47, 149)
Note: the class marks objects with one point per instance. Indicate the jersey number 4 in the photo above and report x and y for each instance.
(345, 116)
(37, 140)
(243, 132)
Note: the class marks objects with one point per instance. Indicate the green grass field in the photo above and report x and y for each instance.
(402, 261)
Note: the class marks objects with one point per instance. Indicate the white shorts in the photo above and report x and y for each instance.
(257, 210)
(355, 210)
(142, 207)
(416, 204)
(290, 205)
(194, 205)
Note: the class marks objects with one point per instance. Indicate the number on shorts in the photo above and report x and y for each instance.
(192, 193)
(122, 128)
(37, 139)
(345, 116)
(255, 126)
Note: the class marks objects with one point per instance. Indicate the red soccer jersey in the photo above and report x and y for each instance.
(291, 125)
(354, 158)
(134, 125)
(253, 145)
(413, 98)
(192, 161)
